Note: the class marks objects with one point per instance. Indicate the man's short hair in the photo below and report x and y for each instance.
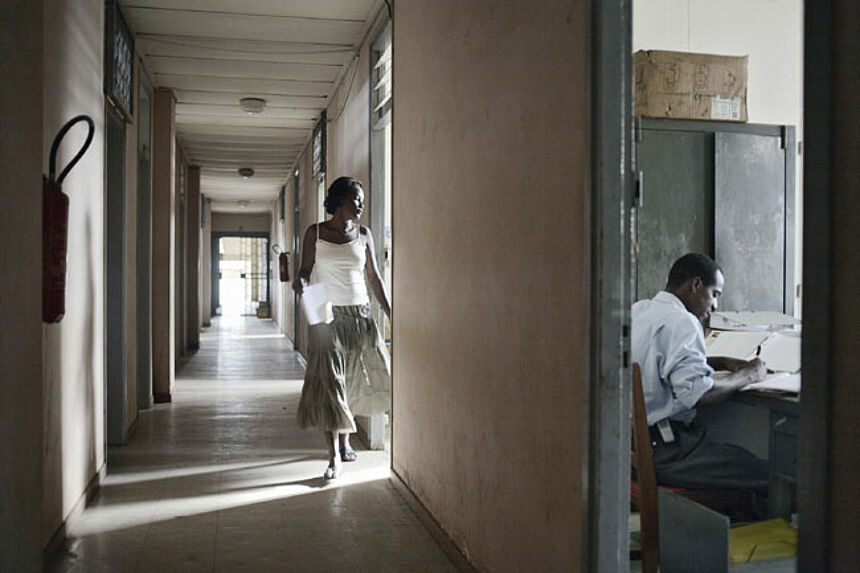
(690, 266)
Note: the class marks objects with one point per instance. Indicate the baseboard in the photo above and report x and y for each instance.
(57, 544)
(446, 543)
(161, 397)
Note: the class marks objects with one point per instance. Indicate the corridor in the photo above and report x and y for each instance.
(222, 480)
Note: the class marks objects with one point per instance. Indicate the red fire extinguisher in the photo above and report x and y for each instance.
(283, 263)
(55, 226)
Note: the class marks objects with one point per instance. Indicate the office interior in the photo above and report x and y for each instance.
(508, 145)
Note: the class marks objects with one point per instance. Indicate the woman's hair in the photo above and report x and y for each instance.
(690, 266)
(338, 191)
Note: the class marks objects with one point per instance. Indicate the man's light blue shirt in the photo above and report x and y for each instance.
(669, 345)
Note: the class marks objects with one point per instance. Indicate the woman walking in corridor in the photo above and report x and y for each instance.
(348, 368)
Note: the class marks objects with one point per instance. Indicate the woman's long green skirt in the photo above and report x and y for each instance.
(348, 372)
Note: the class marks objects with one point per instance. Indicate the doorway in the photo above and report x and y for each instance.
(115, 279)
(240, 274)
(616, 198)
(297, 263)
(380, 161)
(144, 245)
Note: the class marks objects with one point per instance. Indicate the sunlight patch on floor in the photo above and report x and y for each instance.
(243, 492)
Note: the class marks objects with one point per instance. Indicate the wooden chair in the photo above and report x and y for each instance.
(644, 486)
(644, 491)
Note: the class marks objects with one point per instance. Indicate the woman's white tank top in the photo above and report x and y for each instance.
(341, 269)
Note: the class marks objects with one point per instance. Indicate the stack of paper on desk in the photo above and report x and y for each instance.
(752, 320)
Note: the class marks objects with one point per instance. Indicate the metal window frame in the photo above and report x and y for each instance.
(116, 28)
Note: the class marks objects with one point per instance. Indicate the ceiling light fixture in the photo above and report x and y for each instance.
(252, 105)
(246, 172)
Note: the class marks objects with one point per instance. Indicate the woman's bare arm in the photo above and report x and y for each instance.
(309, 252)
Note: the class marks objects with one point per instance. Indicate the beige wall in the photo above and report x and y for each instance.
(252, 222)
(283, 294)
(348, 117)
(490, 274)
(74, 360)
(309, 213)
(277, 232)
(21, 412)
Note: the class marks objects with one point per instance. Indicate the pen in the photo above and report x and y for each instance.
(758, 350)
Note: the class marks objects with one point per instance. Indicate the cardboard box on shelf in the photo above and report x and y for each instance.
(684, 85)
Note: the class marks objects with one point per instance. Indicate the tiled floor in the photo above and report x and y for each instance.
(221, 480)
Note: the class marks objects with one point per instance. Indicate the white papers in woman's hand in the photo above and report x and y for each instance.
(316, 304)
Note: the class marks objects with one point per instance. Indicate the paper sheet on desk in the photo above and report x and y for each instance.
(316, 305)
(781, 352)
(780, 381)
(734, 344)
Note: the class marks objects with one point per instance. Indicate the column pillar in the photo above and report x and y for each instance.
(206, 274)
(163, 241)
(192, 261)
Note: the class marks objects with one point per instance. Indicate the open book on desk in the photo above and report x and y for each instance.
(780, 351)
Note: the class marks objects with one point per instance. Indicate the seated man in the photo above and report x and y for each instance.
(668, 343)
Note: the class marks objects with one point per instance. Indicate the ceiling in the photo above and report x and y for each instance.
(212, 53)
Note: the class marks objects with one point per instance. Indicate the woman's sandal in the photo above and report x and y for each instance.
(348, 455)
(332, 472)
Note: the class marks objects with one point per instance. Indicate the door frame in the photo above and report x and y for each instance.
(813, 448)
(214, 299)
(297, 262)
(607, 486)
(613, 194)
(115, 253)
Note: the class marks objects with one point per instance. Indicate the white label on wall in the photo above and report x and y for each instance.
(726, 107)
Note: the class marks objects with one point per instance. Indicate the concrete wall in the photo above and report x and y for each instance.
(252, 222)
(280, 237)
(490, 274)
(21, 412)
(348, 116)
(770, 33)
(284, 231)
(74, 360)
(309, 213)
